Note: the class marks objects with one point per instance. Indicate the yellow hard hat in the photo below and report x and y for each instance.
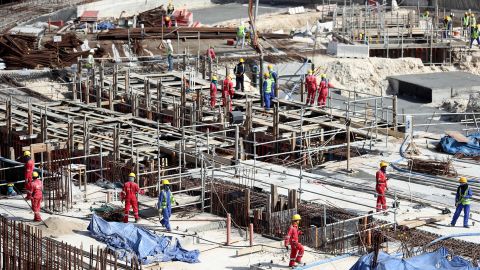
(471, 14)
(165, 182)
(131, 174)
(242, 60)
(229, 76)
(270, 66)
(35, 174)
(383, 164)
(27, 153)
(214, 78)
(466, 12)
(296, 217)
(462, 180)
(323, 75)
(478, 25)
(310, 71)
(266, 74)
(167, 18)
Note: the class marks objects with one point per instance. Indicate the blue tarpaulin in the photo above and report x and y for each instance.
(471, 149)
(106, 25)
(127, 239)
(438, 259)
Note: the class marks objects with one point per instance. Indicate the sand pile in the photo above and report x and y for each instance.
(61, 226)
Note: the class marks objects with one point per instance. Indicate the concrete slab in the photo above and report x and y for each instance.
(435, 87)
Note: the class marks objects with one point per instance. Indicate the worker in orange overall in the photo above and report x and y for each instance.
(27, 172)
(292, 239)
(37, 196)
(227, 92)
(213, 92)
(129, 194)
(381, 187)
(311, 86)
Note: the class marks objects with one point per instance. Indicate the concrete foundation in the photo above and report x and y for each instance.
(434, 87)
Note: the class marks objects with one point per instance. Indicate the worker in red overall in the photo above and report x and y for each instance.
(168, 21)
(381, 187)
(292, 239)
(213, 92)
(323, 93)
(129, 194)
(37, 196)
(27, 172)
(311, 86)
(211, 53)
(227, 91)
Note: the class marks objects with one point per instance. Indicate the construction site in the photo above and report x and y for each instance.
(100, 96)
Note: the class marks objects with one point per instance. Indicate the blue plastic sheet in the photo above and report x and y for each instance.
(426, 261)
(128, 240)
(451, 146)
(106, 25)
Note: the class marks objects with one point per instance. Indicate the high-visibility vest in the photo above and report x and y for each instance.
(474, 33)
(164, 201)
(463, 200)
(268, 89)
(241, 31)
(466, 21)
(169, 50)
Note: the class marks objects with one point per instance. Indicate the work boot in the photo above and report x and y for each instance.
(137, 220)
(466, 226)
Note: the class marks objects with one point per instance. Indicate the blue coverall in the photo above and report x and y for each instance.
(165, 201)
(462, 201)
(268, 92)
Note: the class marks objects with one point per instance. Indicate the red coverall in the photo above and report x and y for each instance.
(211, 54)
(227, 91)
(36, 199)
(381, 188)
(28, 170)
(297, 249)
(311, 85)
(213, 94)
(130, 190)
(323, 93)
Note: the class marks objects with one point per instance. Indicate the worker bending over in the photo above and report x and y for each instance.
(213, 92)
(463, 198)
(129, 194)
(381, 187)
(37, 196)
(311, 86)
(268, 93)
(27, 172)
(165, 201)
(292, 238)
(227, 92)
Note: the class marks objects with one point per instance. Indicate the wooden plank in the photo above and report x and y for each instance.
(457, 136)
(249, 250)
(410, 224)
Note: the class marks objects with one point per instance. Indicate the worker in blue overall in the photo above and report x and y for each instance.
(463, 199)
(165, 201)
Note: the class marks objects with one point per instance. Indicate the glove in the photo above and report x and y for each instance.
(287, 248)
(176, 203)
(300, 232)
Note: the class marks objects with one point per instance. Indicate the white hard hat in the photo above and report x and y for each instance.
(169, 41)
(92, 51)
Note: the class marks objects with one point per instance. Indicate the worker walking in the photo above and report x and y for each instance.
(381, 187)
(311, 86)
(37, 196)
(463, 199)
(169, 55)
(240, 75)
(474, 35)
(213, 92)
(129, 194)
(268, 93)
(27, 173)
(293, 239)
(323, 93)
(241, 31)
(165, 201)
(227, 92)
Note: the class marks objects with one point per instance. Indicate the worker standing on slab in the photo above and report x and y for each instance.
(211, 53)
(292, 238)
(381, 187)
(165, 201)
(465, 23)
(227, 92)
(463, 199)
(472, 22)
(129, 194)
(474, 35)
(37, 196)
(170, 8)
(311, 86)
(169, 55)
(268, 90)
(241, 30)
(447, 24)
(213, 92)
(323, 93)
(274, 77)
(90, 61)
(240, 75)
(27, 173)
